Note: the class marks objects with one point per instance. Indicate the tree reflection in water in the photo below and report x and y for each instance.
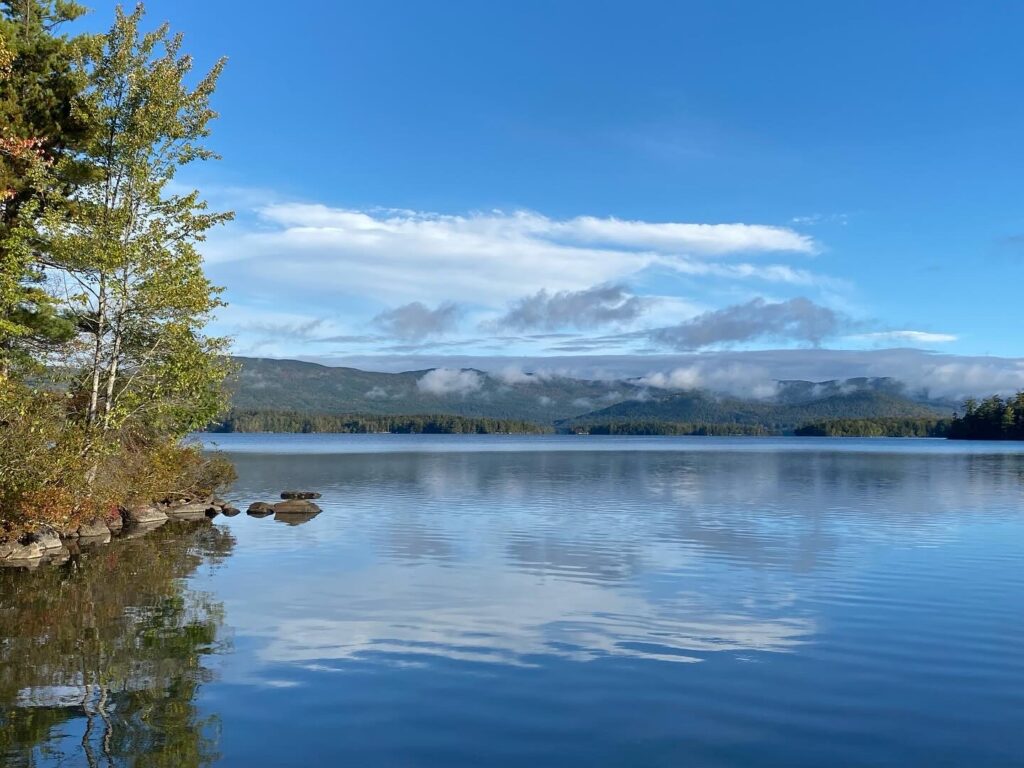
(101, 658)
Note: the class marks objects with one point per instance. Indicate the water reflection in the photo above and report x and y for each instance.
(516, 557)
(509, 608)
(103, 655)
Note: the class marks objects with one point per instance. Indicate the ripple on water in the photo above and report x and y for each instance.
(575, 602)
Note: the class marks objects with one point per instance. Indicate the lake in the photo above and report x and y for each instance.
(545, 601)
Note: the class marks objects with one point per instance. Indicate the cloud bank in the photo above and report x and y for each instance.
(798, 319)
(450, 381)
(416, 321)
(936, 375)
(493, 257)
(590, 308)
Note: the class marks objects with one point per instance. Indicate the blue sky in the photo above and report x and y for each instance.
(556, 179)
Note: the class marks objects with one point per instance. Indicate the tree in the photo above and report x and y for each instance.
(100, 278)
(42, 117)
(124, 251)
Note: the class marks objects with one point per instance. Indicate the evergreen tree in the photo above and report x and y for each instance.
(42, 118)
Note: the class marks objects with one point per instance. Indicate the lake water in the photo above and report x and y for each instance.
(545, 601)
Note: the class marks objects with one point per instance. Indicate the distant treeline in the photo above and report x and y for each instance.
(670, 428)
(889, 427)
(991, 419)
(294, 421)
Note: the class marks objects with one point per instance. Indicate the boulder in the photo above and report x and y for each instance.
(144, 513)
(230, 511)
(260, 509)
(93, 529)
(296, 507)
(30, 551)
(300, 495)
(114, 523)
(16, 554)
(141, 529)
(93, 541)
(48, 541)
(196, 510)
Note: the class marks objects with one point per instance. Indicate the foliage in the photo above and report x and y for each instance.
(876, 428)
(125, 252)
(45, 458)
(670, 428)
(993, 418)
(42, 116)
(293, 421)
(775, 416)
(104, 363)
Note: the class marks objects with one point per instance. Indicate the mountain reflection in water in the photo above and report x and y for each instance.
(548, 602)
(103, 655)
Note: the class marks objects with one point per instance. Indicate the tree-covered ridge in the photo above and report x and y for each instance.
(672, 428)
(993, 418)
(292, 385)
(775, 416)
(309, 388)
(436, 424)
(876, 428)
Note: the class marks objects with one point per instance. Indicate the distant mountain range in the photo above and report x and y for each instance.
(290, 385)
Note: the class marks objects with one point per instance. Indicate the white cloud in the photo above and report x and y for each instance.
(450, 381)
(730, 378)
(910, 337)
(937, 375)
(482, 258)
(707, 239)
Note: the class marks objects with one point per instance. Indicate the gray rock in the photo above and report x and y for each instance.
(21, 552)
(93, 529)
(260, 509)
(197, 510)
(47, 540)
(144, 513)
(230, 511)
(138, 530)
(115, 523)
(300, 495)
(91, 541)
(296, 507)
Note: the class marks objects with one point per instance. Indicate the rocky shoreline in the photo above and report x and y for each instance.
(50, 545)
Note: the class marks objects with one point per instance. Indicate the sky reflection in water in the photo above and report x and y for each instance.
(461, 602)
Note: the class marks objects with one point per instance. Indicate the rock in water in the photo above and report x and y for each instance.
(260, 509)
(195, 511)
(94, 529)
(14, 553)
(300, 495)
(144, 513)
(294, 518)
(296, 507)
(230, 511)
(295, 511)
(47, 540)
(115, 523)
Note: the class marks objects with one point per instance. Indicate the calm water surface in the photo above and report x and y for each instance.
(508, 601)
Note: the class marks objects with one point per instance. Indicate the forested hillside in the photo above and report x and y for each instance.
(293, 396)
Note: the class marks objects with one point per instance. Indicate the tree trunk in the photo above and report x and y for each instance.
(97, 354)
(108, 405)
